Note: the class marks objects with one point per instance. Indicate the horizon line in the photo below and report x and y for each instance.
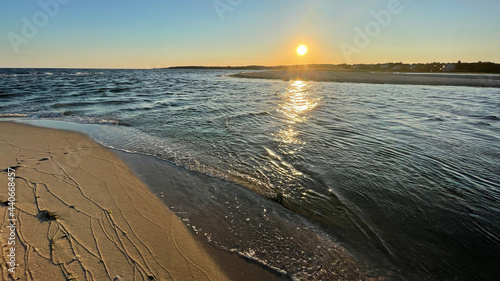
(241, 66)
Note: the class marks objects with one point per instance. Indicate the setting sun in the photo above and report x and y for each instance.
(302, 50)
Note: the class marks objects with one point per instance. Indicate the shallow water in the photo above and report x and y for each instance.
(406, 178)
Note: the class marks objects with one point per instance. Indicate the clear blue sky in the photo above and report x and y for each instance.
(158, 33)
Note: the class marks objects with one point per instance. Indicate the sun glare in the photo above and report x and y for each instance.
(302, 50)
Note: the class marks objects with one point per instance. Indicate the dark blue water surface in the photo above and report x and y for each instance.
(405, 178)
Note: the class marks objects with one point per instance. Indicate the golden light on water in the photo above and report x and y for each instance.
(298, 102)
(289, 136)
(302, 50)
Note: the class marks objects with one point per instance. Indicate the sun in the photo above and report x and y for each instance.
(302, 50)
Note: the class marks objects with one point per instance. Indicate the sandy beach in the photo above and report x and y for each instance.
(81, 214)
(472, 80)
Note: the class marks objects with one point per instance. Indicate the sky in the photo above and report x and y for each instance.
(163, 33)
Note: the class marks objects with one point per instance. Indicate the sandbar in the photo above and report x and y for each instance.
(451, 79)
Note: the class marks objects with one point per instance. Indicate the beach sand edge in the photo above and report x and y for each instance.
(81, 214)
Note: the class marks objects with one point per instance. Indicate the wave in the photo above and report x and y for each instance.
(81, 104)
(67, 113)
(489, 117)
(13, 115)
(12, 95)
(22, 72)
(7, 95)
(120, 90)
(72, 104)
(109, 121)
(86, 73)
(116, 102)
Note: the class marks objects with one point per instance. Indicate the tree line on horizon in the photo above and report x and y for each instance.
(458, 67)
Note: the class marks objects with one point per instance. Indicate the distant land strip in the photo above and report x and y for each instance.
(434, 67)
(436, 79)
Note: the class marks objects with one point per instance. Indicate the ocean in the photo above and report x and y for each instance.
(299, 176)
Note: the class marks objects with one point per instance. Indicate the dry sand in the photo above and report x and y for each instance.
(378, 77)
(82, 215)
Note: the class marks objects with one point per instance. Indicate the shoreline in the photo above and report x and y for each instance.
(430, 79)
(82, 213)
(235, 243)
(282, 222)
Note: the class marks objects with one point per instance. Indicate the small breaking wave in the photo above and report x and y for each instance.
(86, 73)
(103, 121)
(13, 115)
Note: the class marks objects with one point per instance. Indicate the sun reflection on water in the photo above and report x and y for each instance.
(298, 102)
(289, 136)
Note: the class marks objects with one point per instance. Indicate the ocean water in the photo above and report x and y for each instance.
(299, 175)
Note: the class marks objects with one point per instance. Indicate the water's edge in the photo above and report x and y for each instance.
(224, 215)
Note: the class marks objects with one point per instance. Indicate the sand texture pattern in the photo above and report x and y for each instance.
(82, 215)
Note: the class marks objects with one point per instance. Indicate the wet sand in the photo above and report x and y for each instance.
(472, 80)
(81, 214)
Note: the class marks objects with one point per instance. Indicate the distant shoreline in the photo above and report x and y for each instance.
(433, 67)
(435, 79)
